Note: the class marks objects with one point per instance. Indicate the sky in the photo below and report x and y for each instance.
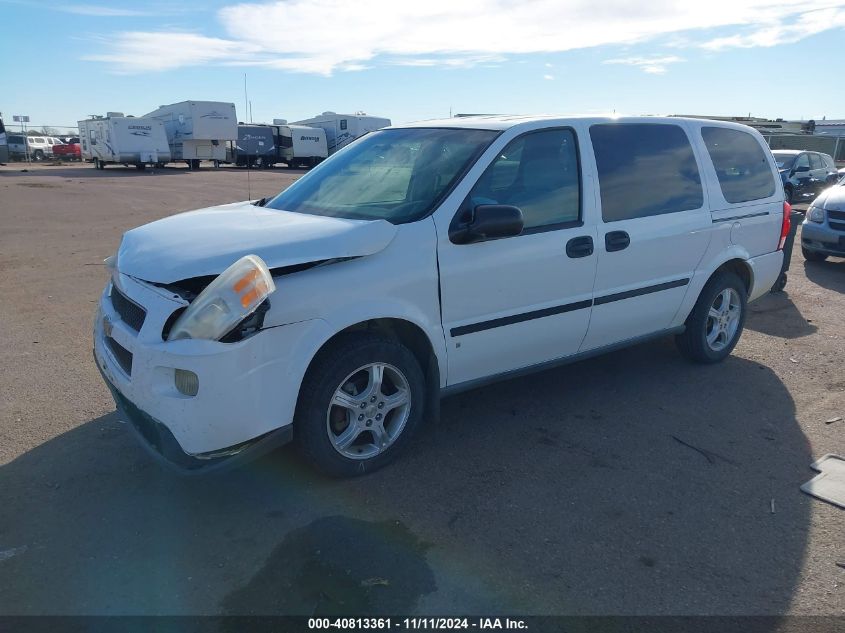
(63, 61)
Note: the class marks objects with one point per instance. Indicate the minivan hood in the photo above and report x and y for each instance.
(207, 241)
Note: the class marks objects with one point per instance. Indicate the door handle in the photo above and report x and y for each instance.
(616, 241)
(580, 246)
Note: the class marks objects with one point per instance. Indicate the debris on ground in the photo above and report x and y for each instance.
(375, 582)
(829, 484)
(5, 554)
(832, 420)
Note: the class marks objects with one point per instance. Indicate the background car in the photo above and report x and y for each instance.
(823, 230)
(805, 174)
(39, 147)
(69, 150)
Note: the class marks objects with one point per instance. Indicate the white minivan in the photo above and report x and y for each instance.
(426, 259)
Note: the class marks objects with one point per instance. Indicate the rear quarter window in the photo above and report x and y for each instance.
(741, 164)
(645, 169)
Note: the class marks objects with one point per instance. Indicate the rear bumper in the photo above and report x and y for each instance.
(765, 271)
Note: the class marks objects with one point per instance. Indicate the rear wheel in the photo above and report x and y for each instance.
(812, 256)
(360, 403)
(715, 324)
(140, 166)
(38, 155)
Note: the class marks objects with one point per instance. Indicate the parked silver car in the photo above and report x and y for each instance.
(40, 147)
(823, 230)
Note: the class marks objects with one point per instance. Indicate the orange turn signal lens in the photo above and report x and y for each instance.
(246, 280)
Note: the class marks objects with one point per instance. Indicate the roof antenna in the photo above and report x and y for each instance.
(246, 111)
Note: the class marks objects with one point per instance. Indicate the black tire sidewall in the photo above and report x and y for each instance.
(696, 333)
(329, 369)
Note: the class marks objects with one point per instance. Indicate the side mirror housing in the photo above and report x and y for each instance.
(489, 221)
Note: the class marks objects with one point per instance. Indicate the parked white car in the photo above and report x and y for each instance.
(427, 259)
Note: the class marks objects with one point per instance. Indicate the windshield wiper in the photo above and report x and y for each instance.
(260, 203)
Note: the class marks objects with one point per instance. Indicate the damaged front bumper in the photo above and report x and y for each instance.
(244, 393)
(162, 445)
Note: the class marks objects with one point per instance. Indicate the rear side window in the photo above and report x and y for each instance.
(828, 161)
(645, 169)
(816, 162)
(741, 165)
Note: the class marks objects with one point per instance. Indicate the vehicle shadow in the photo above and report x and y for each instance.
(634, 483)
(828, 274)
(776, 315)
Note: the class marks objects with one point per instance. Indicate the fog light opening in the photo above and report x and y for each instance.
(187, 382)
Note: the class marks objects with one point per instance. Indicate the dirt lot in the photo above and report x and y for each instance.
(573, 491)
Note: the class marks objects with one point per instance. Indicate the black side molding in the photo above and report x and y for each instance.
(519, 318)
(619, 296)
(567, 307)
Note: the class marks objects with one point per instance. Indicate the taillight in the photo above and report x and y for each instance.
(784, 225)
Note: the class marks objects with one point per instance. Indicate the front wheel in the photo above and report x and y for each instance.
(715, 324)
(788, 193)
(360, 403)
(812, 256)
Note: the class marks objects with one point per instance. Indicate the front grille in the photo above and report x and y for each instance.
(122, 355)
(837, 226)
(836, 215)
(130, 313)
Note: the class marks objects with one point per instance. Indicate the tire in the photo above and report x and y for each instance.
(140, 166)
(812, 256)
(96, 164)
(780, 284)
(346, 369)
(709, 338)
(788, 193)
(38, 155)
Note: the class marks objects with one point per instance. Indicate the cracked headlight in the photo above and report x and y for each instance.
(226, 301)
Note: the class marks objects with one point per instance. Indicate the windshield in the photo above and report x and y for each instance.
(784, 160)
(398, 175)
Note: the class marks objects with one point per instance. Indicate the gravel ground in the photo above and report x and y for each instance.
(581, 490)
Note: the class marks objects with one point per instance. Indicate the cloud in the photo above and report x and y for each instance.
(326, 36)
(549, 77)
(139, 51)
(777, 33)
(651, 65)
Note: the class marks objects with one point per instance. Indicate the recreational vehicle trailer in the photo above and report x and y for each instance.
(342, 129)
(198, 130)
(117, 139)
(300, 145)
(255, 147)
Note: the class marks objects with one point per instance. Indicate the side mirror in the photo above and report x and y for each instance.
(801, 169)
(489, 221)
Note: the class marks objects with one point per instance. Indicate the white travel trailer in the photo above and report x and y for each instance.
(300, 145)
(342, 129)
(198, 130)
(117, 139)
